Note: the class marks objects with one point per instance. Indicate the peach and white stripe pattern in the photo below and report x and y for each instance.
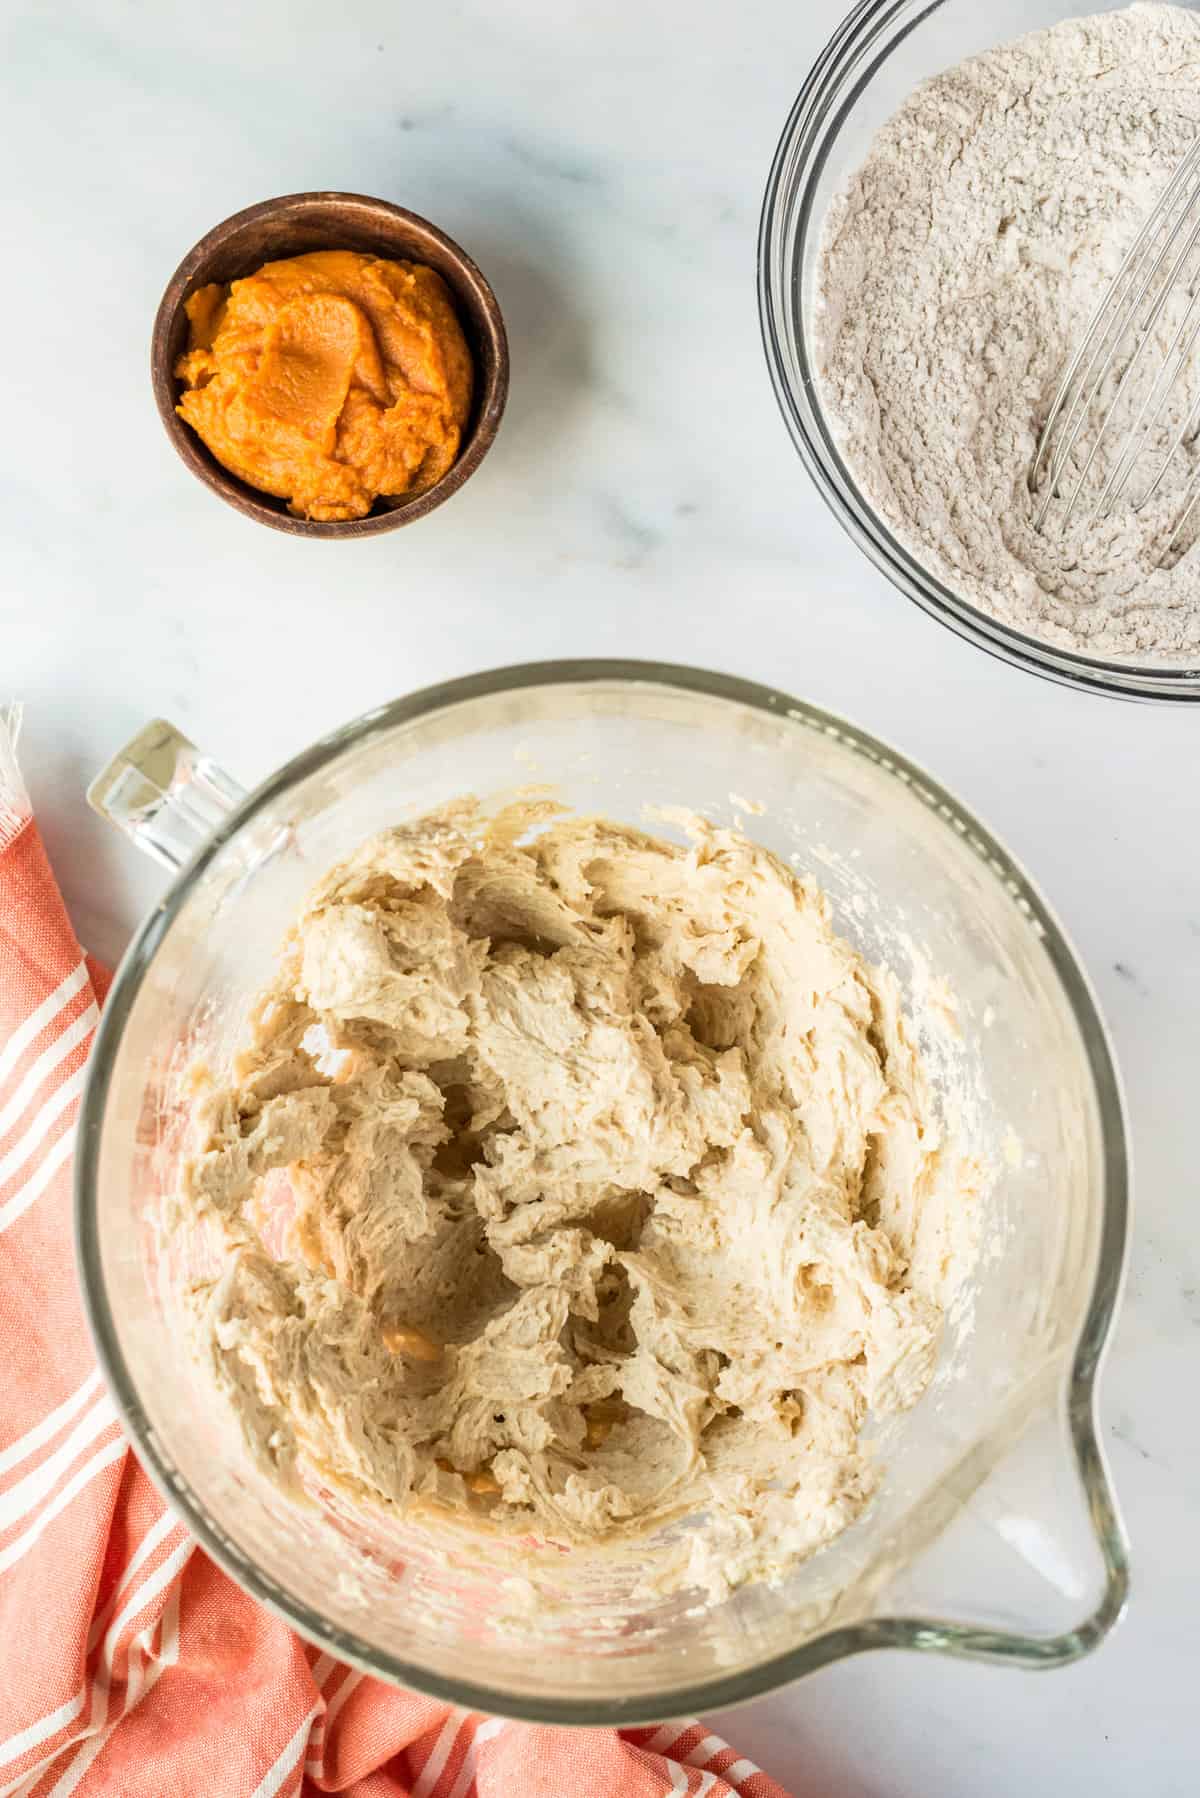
(131, 1666)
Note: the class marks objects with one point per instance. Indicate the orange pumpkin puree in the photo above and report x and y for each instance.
(329, 380)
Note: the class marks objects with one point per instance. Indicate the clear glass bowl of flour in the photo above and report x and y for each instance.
(882, 51)
(994, 1533)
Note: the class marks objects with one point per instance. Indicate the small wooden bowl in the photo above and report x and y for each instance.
(290, 226)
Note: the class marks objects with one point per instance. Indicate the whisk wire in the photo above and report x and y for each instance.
(1194, 490)
(1092, 343)
(1133, 447)
(1153, 270)
(1187, 429)
(1160, 390)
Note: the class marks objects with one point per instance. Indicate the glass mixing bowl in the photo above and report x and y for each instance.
(883, 50)
(994, 1533)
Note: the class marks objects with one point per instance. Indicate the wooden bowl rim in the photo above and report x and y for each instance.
(486, 319)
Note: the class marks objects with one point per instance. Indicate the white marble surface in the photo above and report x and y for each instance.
(643, 499)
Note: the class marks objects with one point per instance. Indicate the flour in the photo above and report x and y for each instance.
(959, 270)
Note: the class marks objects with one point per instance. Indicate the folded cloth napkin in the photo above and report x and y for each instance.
(131, 1665)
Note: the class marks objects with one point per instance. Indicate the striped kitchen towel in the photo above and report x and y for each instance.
(131, 1665)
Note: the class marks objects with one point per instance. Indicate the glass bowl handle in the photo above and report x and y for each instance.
(164, 794)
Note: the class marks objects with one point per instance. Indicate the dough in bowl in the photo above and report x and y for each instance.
(571, 1179)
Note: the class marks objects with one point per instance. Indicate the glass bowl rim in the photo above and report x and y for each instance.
(788, 217)
(715, 1693)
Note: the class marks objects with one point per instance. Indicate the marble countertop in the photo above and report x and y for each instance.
(605, 167)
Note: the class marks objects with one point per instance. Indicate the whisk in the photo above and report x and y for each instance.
(1158, 269)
